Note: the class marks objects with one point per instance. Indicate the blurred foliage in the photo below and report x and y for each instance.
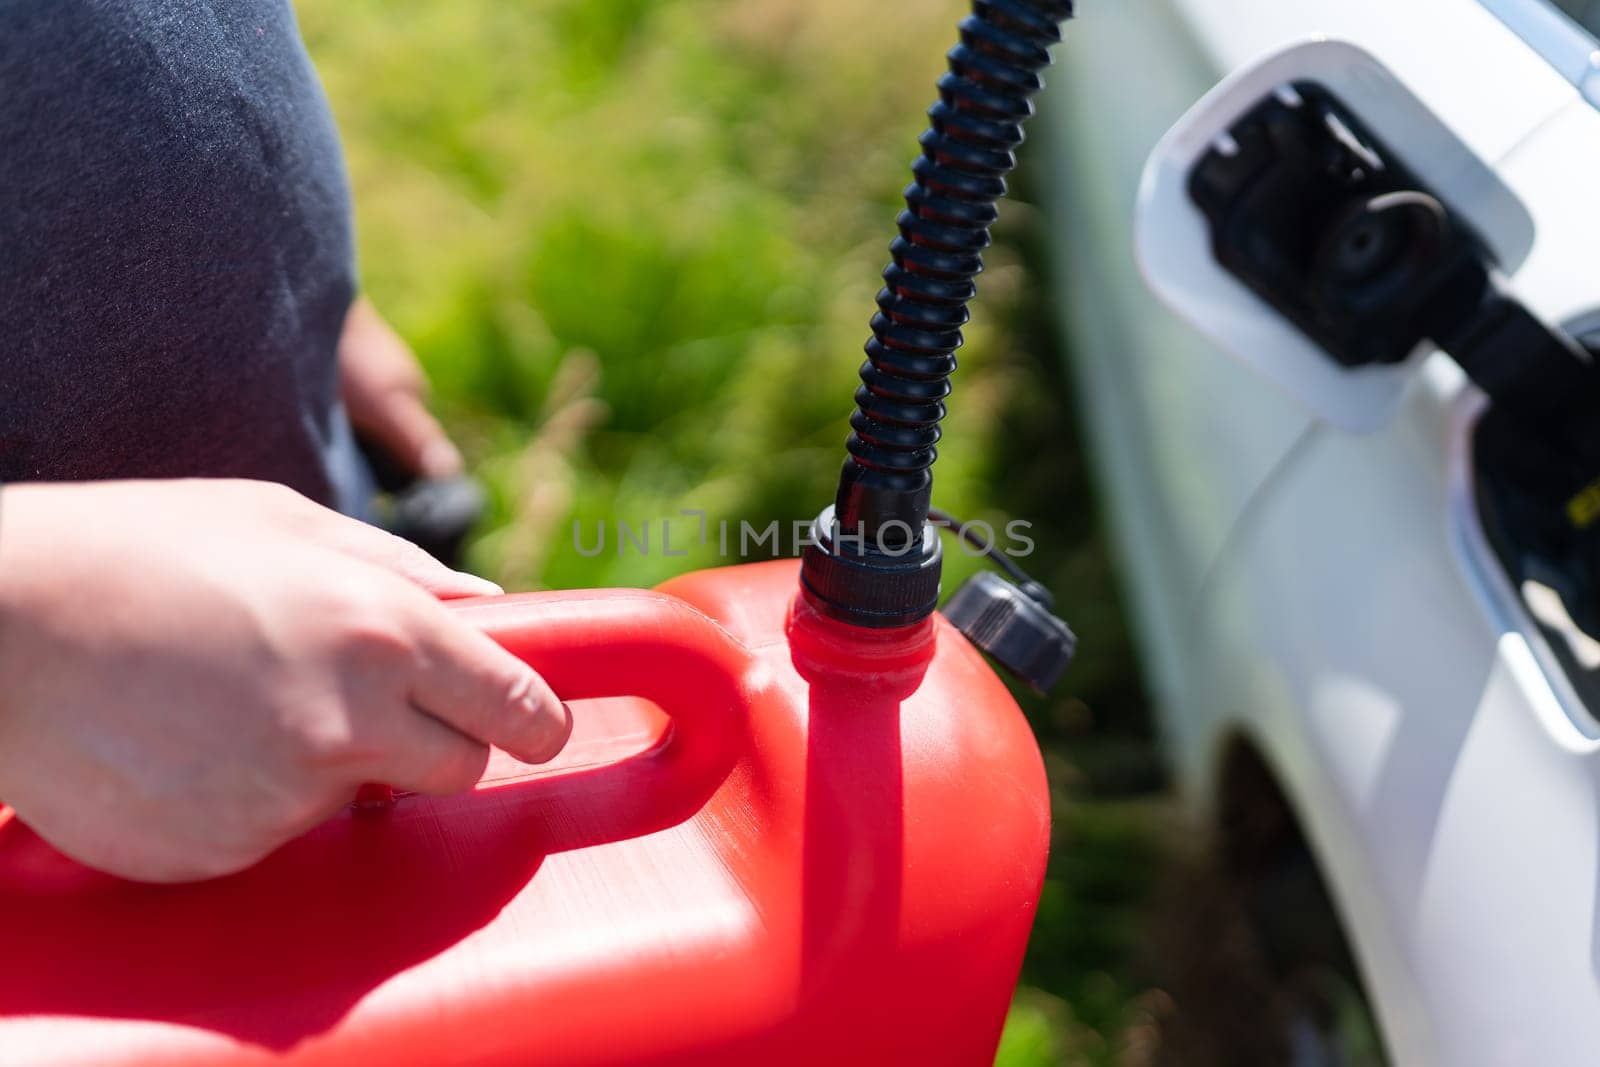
(635, 243)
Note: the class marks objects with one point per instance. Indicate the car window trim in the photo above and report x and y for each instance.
(1564, 44)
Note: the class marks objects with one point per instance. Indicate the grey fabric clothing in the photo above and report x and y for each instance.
(176, 252)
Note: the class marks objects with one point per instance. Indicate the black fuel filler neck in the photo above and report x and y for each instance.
(1326, 223)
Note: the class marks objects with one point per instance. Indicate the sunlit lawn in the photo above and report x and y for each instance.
(636, 243)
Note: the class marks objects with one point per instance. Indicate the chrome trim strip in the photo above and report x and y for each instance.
(1565, 45)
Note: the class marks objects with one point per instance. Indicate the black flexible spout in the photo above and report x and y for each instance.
(875, 561)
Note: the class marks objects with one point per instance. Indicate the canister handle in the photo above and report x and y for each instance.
(630, 643)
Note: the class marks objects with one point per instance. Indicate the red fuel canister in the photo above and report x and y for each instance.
(800, 820)
(773, 839)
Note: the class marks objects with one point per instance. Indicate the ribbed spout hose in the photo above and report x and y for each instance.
(886, 485)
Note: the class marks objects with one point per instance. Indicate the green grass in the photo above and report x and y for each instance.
(635, 243)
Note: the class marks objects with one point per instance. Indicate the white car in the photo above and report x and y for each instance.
(1358, 623)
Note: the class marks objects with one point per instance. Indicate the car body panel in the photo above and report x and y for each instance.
(1166, 410)
(1484, 83)
(1325, 593)
(1439, 781)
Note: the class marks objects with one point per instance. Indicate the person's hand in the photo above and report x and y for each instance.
(385, 391)
(193, 672)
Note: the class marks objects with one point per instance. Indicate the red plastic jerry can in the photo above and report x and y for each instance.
(773, 839)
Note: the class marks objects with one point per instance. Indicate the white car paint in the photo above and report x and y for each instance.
(1325, 592)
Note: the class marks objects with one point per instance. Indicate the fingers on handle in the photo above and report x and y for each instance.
(429, 756)
(470, 683)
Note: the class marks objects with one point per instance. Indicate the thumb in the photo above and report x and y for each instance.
(363, 541)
